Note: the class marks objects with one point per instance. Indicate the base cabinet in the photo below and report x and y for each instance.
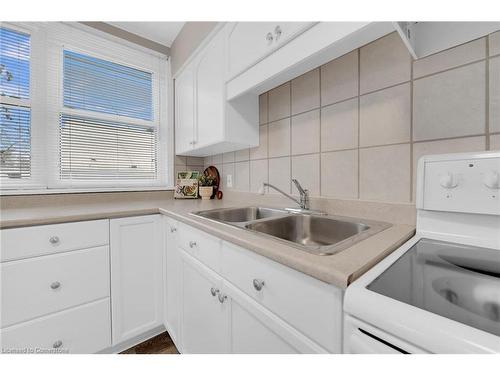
(204, 310)
(208, 313)
(136, 276)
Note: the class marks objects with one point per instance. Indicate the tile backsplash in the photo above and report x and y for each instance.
(355, 127)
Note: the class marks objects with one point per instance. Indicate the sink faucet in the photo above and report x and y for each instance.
(304, 194)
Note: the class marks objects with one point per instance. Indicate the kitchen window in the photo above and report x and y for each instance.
(100, 121)
(15, 107)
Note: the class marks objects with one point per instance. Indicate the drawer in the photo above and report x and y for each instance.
(311, 306)
(83, 329)
(43, 285)
(204, 247)
(19, 243)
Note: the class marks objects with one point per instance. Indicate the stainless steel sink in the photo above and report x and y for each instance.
(311, 232)
(241, 214)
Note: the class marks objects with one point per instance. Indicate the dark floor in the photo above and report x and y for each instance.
(161, 344)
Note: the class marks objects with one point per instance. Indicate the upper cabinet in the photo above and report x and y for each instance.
(249, 42)
(426, 38)
(205, 123)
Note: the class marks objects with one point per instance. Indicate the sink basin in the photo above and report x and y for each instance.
(312, 232)
(309, 230)
(240, 215)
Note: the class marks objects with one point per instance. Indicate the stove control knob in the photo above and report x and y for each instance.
(492, 180)
(448, 181)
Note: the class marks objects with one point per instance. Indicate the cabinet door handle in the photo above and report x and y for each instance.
(54, 240)
(214, 291)
(173, 230)
(192, 244)
(258, 284)
(57, 344)
(55, 285)
(222, 297)
(277, 32)
(269, 38)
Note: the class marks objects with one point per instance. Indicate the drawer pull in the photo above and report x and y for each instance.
(277, 32)
(57, 344)
(214, 291)
(269, 38)
(258, 284)
(54, 240)
(55, 285)
(222, 297)
(192, 244)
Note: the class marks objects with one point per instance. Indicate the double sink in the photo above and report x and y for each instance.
(309, 231)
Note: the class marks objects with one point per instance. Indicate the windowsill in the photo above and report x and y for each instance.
(14, 192)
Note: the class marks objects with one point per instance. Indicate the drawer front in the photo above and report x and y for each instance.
(200, 245)
(311, 306)
(83, 329)
(39, 286)
(19, 243)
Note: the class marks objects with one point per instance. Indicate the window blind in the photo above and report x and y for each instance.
(102, 86)
(14, 64)
(15, 112)
(15, 145)
(93, 149)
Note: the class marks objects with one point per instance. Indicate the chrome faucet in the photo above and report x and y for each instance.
(303, 202)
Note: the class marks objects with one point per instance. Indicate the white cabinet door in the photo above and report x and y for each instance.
(136, 276)
(210, 93)
(184, 111)
(255, 330)
(249, 42)
(205, 320)
(173, 279)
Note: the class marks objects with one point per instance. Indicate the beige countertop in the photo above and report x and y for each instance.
(339, 269)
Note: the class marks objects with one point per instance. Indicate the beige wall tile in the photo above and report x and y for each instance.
(228, 157)
(450, 104)
(242, 155)
(305, 92)
(263, 118)
(306, 133)
(180, 160)
(260, 151)
(207, 161)
(385, 173)
(258, 174)
(495, 43)
(279, 138)
(495, 94)
(241, 180)
(279, 174)
(305, 169)
(495, 142)
(194, 161)
(453, 57)
(385, 116)
(447, 146)
(384, 63)
(279, 102)
(217, 159)
(339, 174)
(228, 169)
(339, 126)
(339, 79)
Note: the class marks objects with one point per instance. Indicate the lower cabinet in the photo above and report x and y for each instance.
(136, 276)
(205, 310)
(209, 314)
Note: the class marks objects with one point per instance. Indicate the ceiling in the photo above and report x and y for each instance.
(160, 32)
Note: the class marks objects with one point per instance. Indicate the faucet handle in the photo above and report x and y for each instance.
(299, 187)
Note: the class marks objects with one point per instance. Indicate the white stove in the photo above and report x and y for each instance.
(440, 291)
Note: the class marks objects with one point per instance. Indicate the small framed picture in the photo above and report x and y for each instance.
(186, 185)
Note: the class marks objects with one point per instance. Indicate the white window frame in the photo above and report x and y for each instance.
(35, 102)
(49, 40)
